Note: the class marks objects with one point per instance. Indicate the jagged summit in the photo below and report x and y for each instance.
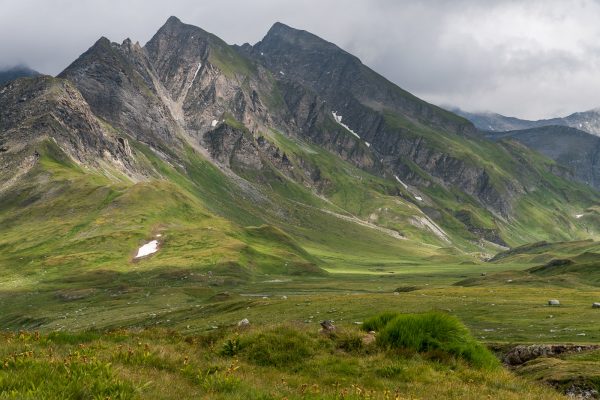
(173, 20)
(281, 34)
(176, 30)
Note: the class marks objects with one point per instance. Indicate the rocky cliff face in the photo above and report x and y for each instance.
(362, 101)
(342, 80)
(119, 84)
(35, 110)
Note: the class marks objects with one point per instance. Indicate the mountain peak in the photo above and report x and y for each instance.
(282, 33)
(281, 27)
(174, 23)
(102, 42)
(173, 20)
(175, 29)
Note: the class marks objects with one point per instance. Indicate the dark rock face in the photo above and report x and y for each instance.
(233, 147)
(53, 109)
(117, 81)
(318, 78)
(178, 52)
(342, 80)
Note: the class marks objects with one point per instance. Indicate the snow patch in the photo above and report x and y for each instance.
(147, 249)
(338, 119)
(419, 198)
(214, 123)
(402, 183)
(262, 54)
(368, 144)
(578, 216)
(282, 73)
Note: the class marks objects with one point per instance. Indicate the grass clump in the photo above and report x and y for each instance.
(434, 333)
(380, 321)
(277, 347)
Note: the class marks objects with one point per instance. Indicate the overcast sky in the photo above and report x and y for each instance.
(530, 59)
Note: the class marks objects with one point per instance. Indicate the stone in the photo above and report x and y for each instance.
(327, 327)
(523, 353)
(553, 302)
(243, 323)
(595, 305)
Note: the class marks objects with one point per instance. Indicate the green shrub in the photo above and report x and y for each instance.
(435, 333)
(278, 347)
(231, 347)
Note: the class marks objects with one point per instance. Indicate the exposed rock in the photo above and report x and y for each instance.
(523, 353)
(581, 393)
(55, 111)
(327, 327)
(243, 323)
(595, 305)
(119, 84)
(553, 302)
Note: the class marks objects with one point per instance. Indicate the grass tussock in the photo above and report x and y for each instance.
(278, 347)
(438, 334)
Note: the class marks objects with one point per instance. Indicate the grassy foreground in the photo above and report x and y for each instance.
(286, 361)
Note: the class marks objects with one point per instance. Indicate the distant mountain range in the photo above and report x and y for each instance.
(19, 71)
(572, 141)
(577, 150)
(587, 121)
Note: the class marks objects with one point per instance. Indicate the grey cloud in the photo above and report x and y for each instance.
(529, 59)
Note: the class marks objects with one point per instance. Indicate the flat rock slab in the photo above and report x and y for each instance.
(523, 353)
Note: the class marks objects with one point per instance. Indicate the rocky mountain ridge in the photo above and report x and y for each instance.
(587, 121)
(297, 118)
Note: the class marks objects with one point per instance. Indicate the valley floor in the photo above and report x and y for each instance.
(138, 338)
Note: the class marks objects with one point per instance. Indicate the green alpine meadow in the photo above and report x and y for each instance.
(190, 219)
